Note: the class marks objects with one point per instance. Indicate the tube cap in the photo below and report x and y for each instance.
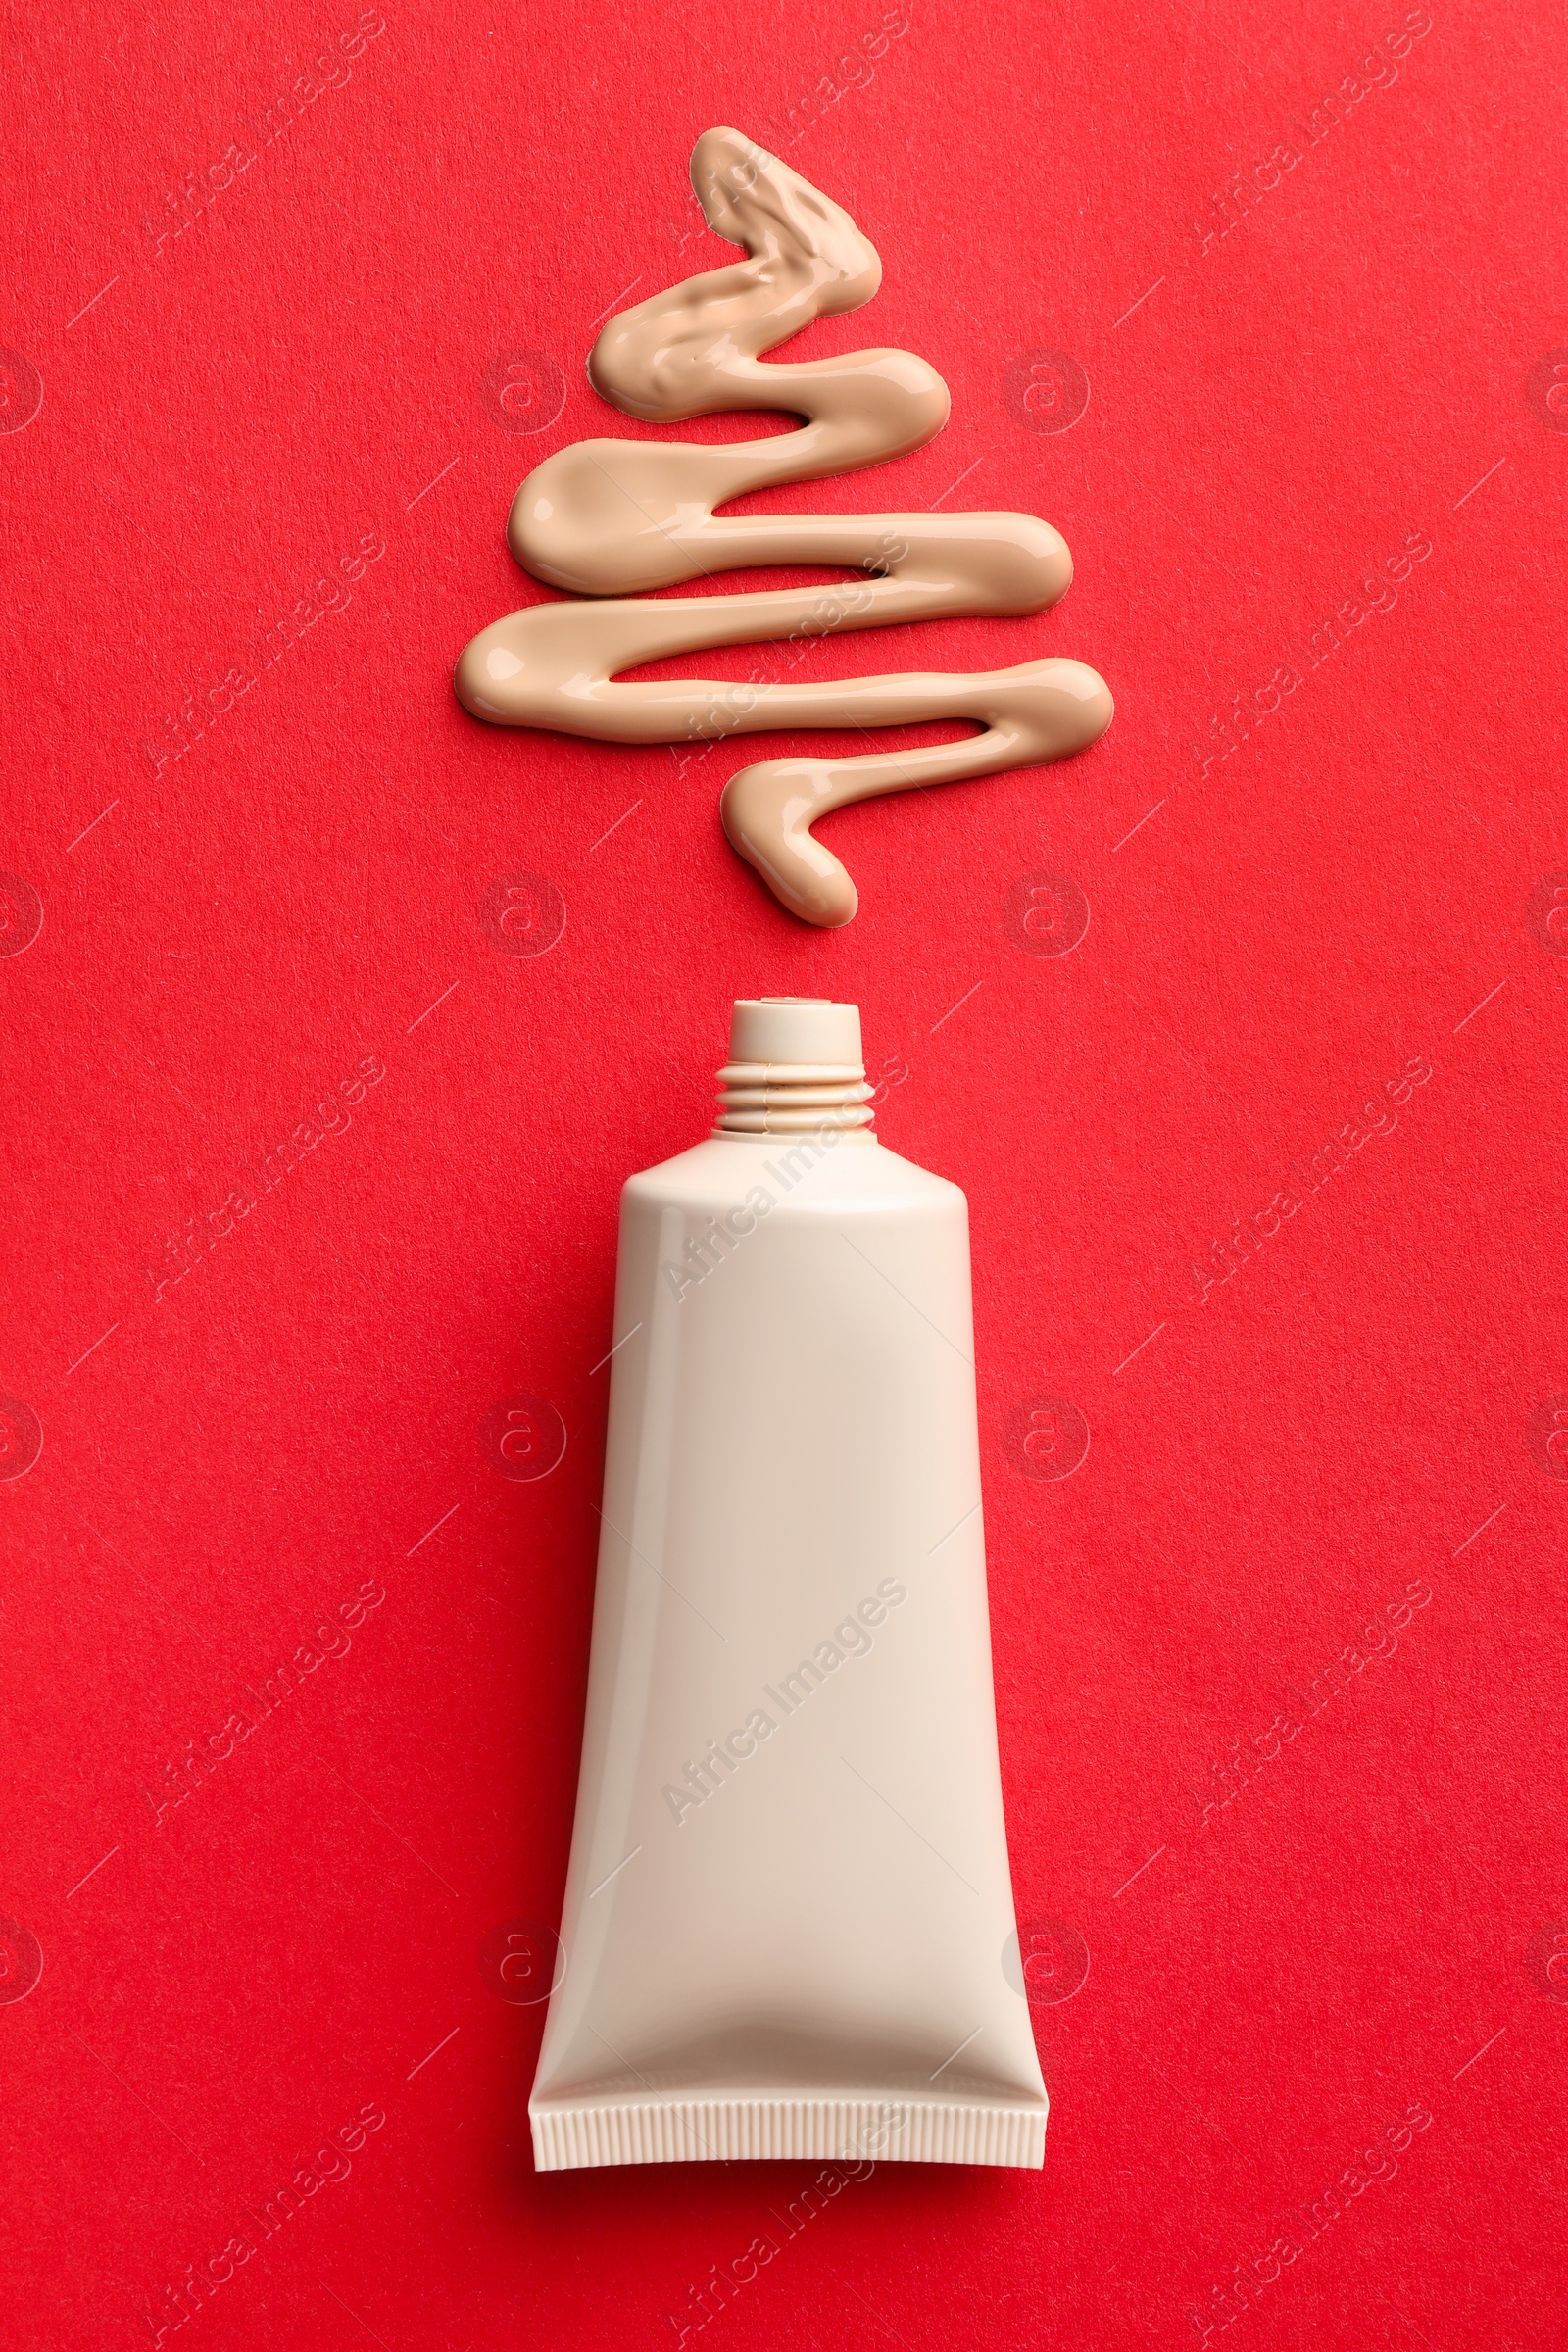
(795, 1029)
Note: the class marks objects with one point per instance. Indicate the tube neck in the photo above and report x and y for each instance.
(771, 1097)
(795, 1068)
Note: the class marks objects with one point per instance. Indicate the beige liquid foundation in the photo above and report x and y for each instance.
(611, 520)
(789, 1919)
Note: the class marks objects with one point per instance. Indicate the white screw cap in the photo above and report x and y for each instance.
(795, 1029)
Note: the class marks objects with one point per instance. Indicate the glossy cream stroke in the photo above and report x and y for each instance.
(613, 520)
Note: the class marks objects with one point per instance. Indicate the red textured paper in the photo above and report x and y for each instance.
(313, 363)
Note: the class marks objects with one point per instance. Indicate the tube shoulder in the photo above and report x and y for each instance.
(824, 1173)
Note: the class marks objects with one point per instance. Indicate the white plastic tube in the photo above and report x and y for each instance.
(788, 1914)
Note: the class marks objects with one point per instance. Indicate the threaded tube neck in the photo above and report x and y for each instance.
(795, 1068)
(771, 1097)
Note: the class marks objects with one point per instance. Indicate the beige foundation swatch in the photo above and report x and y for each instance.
(611, 520)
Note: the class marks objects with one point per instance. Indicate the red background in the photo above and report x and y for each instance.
(303, 367)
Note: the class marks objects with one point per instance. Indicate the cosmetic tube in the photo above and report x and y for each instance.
(788, 1926)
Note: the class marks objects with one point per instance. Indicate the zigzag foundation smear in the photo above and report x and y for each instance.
(614, 519)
